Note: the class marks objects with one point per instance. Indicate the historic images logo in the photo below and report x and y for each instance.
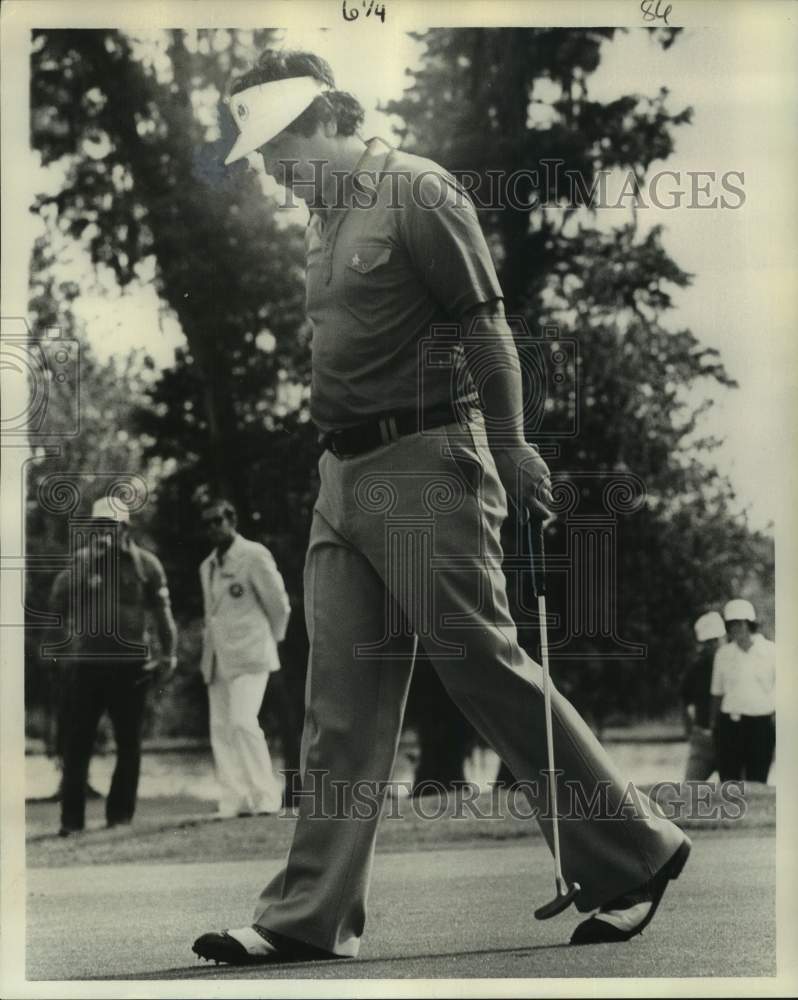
(40, 383)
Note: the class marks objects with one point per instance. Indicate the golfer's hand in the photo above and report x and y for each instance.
(526, 479)
(161, 669)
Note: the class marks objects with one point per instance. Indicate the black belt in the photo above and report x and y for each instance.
(361, 438)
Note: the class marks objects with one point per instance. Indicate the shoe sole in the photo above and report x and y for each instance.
(228, 951)
(221, 948)
(669, 872)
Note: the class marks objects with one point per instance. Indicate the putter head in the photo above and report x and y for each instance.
(560, 902)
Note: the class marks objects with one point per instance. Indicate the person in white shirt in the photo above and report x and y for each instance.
(743, 697)
(246, 616)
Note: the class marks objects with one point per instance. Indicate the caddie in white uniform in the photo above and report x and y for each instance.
(744, 697)
(246, 615)
(418, 466)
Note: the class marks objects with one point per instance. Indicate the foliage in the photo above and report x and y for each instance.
(144, 184)
(134, 123)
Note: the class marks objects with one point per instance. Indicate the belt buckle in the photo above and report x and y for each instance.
(389, 431)
(327, 441)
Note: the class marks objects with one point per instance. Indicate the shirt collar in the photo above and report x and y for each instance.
(374, 156)
(757, 640)
(372, 161)
(229, 553)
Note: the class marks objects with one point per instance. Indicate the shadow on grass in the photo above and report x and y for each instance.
(261, 970)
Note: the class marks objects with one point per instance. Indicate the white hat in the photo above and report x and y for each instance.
(114, 510)
(262, 111)
(709, 626)
(739, 610)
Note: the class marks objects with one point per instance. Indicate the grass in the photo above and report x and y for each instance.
(182, 829)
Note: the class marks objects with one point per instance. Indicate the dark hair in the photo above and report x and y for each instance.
(334, 105)
(752, 626)
(220, 503)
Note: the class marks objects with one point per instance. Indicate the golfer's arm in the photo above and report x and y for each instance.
(492, 359)
(714, 710)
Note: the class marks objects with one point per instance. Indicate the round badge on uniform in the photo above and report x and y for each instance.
(236, 590)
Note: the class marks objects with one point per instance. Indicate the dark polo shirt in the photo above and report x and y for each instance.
(401, 254)
(104, 605)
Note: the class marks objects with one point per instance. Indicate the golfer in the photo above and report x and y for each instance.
(421, 454)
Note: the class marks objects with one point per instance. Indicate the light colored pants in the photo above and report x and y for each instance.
(240, 752)
(405, 539)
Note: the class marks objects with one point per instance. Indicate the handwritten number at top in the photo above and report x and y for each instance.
(652, 10)
(367, 6)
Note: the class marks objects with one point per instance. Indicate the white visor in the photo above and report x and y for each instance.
(739, 610)
(111, 508)
(709, 626)
(263, 111)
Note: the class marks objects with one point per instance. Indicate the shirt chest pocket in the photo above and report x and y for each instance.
(367, 257)
(369, 277)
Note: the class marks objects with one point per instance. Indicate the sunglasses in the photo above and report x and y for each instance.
(216, 520)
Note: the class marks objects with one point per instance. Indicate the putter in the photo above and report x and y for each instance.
(565, 893)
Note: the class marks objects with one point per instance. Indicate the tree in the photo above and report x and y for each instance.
(134, 123)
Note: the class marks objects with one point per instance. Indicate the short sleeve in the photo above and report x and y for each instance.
(58, 592)
(445, 243)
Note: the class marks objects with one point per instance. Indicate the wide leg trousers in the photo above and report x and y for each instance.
(241, 755)
(405, 542)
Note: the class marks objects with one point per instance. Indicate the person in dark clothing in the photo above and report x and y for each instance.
(701, 758)
(102, 600)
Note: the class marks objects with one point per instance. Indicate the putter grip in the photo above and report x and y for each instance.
(537, 555)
